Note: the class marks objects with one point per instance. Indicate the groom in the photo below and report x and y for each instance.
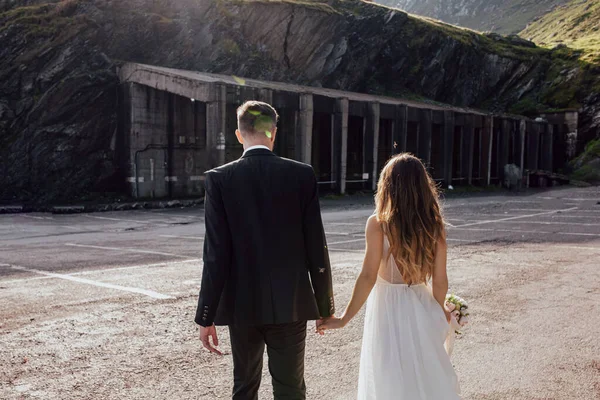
(266, 264)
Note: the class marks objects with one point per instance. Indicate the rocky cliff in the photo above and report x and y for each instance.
(500, 16)
(58, 88)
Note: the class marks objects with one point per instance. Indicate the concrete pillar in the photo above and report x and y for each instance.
(305, 129)
(487, 135)
(448, 149)
(522, 136)
(372, 141)
(400, 129)
(425, 121)
(547, 148)
(468, 149)
(533, 147)
(215, 125)
(341, 136)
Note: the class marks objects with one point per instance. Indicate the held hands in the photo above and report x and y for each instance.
(330, 323)
(205, 334)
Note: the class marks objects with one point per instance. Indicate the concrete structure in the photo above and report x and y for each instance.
(177, 124)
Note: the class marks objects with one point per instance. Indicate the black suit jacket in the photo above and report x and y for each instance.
(265, 255)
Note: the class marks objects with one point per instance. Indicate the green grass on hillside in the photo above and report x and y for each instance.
(587, 171)
(576, 25)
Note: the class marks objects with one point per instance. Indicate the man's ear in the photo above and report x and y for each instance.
(239, 136)
(273, 134)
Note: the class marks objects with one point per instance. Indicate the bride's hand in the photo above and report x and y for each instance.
(448, 314)
(331, 323)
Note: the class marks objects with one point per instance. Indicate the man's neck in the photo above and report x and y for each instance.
(249, 145)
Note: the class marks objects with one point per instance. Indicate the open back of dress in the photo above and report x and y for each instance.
(403, 355)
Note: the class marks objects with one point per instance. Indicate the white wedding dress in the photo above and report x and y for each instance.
(403, 355)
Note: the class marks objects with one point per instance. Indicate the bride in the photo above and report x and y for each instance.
(404, 278)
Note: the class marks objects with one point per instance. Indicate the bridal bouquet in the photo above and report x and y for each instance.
(460, 317)
(460, 311)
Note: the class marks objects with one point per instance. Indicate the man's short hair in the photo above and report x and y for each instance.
(257, 118)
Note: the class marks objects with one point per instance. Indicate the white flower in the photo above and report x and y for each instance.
(451, 306)
(463, 321)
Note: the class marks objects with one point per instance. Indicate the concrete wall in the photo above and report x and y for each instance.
(170, 140)
(165, 140)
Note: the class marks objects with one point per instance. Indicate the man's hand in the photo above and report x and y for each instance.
(320, 322)
(330, 323)
(205, 334)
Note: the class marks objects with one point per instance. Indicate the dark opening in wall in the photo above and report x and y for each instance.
(286, 133)
(559, 155)
(436, 167)
(494, 168)
(234, 149)
(457, 174)
(355, 161)
(412, 137)
(322, 146)
(386, 142)
(513, 152)
(476, 156)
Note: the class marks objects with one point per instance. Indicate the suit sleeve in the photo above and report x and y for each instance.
(316, 250)
(217, 253)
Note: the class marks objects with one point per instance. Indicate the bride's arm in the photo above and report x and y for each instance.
(440, 277)
(366, 280)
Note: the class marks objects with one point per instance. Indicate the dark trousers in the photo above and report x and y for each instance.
(285, 348)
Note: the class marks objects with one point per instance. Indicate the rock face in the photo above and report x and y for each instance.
(502, 16)
(59, 92)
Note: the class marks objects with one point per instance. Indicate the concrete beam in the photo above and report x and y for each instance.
(425, 121)
(305, 128)
(448, 149)
(341, 136)
(166, 80)
(372, 136)
(400, 129)
(215, 125)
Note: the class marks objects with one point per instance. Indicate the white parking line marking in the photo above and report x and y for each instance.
(123, 220)
(553, 223)
(125, 249)
(347, 241)
(344, 223)
(96, 271)
(102, 270)
(547, 209)
(580, 234)
(182, 237)
(149, 293)
(347, 250)
(34, 217)
(517, 217)
(580, 247)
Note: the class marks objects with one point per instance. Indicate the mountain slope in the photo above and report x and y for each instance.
(59, 91)
(501, 16)
(575, 25)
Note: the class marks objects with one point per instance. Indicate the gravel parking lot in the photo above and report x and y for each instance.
(101, 305)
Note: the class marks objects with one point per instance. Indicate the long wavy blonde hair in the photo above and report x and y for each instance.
(407, 205)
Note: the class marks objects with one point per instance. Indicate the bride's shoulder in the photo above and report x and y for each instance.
(374, 225)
